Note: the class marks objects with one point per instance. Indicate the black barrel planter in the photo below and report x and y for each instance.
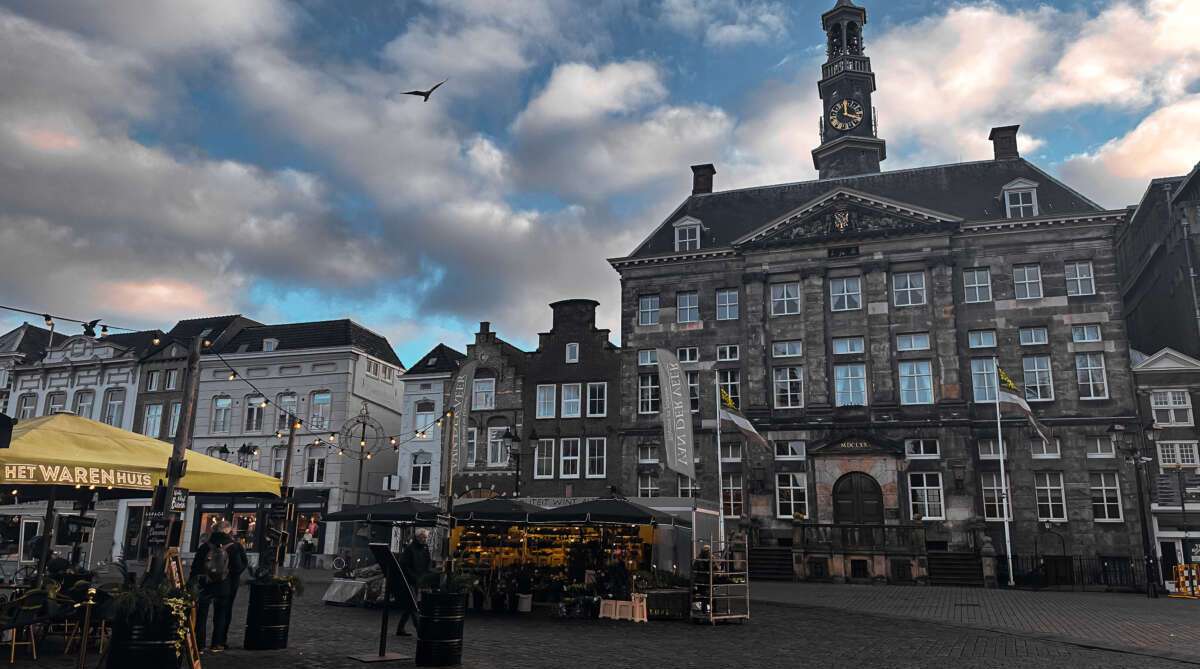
(440, 632)
(269, 616)
(144, 646)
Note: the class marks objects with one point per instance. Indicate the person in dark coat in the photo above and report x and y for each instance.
(415, 562)
(217, 585)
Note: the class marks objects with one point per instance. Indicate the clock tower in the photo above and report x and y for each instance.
(848, 142)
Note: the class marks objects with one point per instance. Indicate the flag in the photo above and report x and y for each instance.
(1007, 394)
(460, 407)
(728, 413)
(678, 445)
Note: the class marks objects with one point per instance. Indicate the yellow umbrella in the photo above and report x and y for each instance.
(68, 450)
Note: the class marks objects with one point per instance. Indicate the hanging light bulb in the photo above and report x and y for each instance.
(362, 442)
(448, 413)
(232, 375)
(256, 451)
(278, 435)
(263, 404)
(393, 441)
(316, 442)
(298, 423)
(103, 330)
(332, 436)
(156, 340)
(341, 452)
(438, 422)
(368, 456)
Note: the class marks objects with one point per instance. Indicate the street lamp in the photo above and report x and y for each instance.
(1135, 453)
(513, 443)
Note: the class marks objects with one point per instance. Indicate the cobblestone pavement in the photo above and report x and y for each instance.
(778, 635)
(1165, 627)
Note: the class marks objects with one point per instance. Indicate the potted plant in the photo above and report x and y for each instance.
(269, 615)
(149, 620)
(440, 626)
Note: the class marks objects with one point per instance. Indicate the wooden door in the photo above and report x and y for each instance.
(858, 499)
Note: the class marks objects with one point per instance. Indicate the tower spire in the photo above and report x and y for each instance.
(849, 144)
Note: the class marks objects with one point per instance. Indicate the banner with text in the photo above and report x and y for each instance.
(108, 477)
(678, 445)
(460, 404)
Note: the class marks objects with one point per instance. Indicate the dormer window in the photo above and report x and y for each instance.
(270, 345)
(687, 235)
(1020, 199)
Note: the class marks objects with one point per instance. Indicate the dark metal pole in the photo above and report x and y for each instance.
(285, 485)
(1147, 549)
(177, 464)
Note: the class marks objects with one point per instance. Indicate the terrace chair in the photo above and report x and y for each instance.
(20, 616)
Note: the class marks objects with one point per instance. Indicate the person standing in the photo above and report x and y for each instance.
(415, 563)
(219, 562)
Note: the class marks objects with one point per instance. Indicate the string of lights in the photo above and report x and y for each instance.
(89, 327)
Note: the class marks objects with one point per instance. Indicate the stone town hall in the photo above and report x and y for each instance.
(855, 320)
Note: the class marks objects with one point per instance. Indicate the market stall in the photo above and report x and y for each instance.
(358, 579)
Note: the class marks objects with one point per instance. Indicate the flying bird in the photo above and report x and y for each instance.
(426, 94)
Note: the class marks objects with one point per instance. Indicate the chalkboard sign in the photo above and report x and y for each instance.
(179, 497)
(161, 532)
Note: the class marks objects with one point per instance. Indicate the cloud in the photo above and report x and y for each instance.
(726, 25)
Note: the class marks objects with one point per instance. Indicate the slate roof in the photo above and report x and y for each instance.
(140, 341)
(317, 334)
(189, 328)
(439, 360)
(27, 339)
(971, 191)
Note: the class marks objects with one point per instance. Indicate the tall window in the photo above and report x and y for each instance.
(925, 493)
(1106, 496)
(484, 394)
(1038, 384)
(994, 502)
(1180, 453)
(789, 387)
(731, 494)
(648, 310)
(1051, 500)
(570, 400)
(114, 406)
(785, 298)
(543, 459)
(1101, 447)
(152, 421)
(423, 418)
(727, 304)
(572, 352)
(647, 485)
(472, 454)
(791, 496)
(596, 457)
(730, 381)
(687, 486)
(172, 379)
(1020, 203)
(55, 403)
(287, 408)
(314, 464)
(687, 237)
(1079, 278)
(1171, 407)
(422, 468)
(220, 416)
(1089, 372)
(693, 384)
(977, 285)
(597, 399)
(845, 294)
(152, 379)
(568, 466)
(278, 457)
(850, 385)
(322, 408)
(84, 399)
(908, 289)
(1027, 281)
(649, 400)
(173, 427)
(27, 407)
(546, 401)
(916, 382)
(497, 451)
(256, 407)
(983, 379)
(687, 307)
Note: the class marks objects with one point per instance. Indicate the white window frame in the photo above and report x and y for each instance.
(649, 394)
(732, 451)
(975, 292)
(421, 472)
(913, 341)
(693, 384)
(687, 486)
(1086, 333)
(315, 463)
(56, 402)
(172, 379)
(1045, 449)
(849, 345)
(1033, 336)
(848, 289)
(269, 345)
(728, 352)
(795, 484)
(925, 495)
(789, 386)
(852, 380)
(989, 482)
(1024, 281)
(571, 354)
(1041, 377)
(176, 412)
(1172, 453)
(687, 306)
(572, 408)
(544, 407)
(26, 406)
(279, 456)
(980, 338)
(287, 404)
(790, 449)
(320, 417)
(687, 237)
(1105, 447)
(727, 304)
(647, 357)
(648, 485)
(1020, 205)
(472, 450)
(1171, 407)
(1080, 284)
(990, 452)
(1050, 483)
(114, 407)
(483, 394)
(688, 354)
(910, 286)
(920, 372)
(567, 463)
(256, 414)
(647, 454)
(222, 414)
(422, 420)
(152, 380)
(785, 298)
(922, 449)
(543, 459)
(1110, 491)
(496, 446)
(791, 348)
(596, 445)
(733, 495)
(1090, 372)
(600, 397)
(983, 380)
(83, 408)
(152, 413)
(647, 314)
(730, 380)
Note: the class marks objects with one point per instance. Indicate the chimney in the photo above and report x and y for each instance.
(1004, 142)
(702, 178)
(484, 327)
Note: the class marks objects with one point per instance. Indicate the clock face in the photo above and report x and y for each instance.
(845, 115)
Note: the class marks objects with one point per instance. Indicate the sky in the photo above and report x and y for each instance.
(161, 161)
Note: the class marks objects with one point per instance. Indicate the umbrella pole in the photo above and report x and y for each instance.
(47, 533)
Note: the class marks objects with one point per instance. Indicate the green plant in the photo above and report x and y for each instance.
(265, 576)
(153, 603)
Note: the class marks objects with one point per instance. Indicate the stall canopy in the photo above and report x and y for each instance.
(606, 510)
(402, 510)
(72, 452)
(495, 510)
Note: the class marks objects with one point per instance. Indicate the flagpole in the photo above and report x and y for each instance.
(720, 475)
(1003, 478)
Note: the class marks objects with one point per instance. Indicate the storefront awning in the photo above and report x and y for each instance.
(606, 510)
(495, 510)
(403, 510)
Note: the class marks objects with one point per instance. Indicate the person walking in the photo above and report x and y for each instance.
(415, 563)
(219, 562)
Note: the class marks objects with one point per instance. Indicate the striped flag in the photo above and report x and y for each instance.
(728, 413)
(1007, 393)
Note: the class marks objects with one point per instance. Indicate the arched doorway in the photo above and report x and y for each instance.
(857, 498)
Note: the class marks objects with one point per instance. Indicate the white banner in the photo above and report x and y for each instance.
(678, 445)
(460, 405)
